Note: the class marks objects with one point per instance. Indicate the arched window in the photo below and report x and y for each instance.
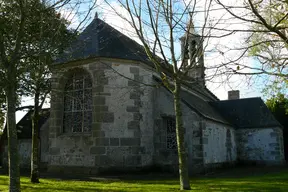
(78, 103)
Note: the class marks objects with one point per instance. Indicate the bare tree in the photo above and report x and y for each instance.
(163, 27)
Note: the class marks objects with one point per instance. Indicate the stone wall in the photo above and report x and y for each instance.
(122, 130)
(168, 158)
(24, 147)
(219, 144)
(262, 145)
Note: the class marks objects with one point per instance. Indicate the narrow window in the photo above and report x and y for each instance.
(171, 133)
(78, 103)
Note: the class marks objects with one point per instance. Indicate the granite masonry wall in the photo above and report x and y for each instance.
(264, 145)
(122, 130)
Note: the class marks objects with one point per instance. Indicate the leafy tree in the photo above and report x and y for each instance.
(11, 46)
(279, 107)
(19, 32)
(46, 46)
(266, 39)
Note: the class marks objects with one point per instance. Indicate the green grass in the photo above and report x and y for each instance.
(235, 180)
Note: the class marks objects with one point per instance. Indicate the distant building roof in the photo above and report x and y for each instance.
(246, 113)
(24, 126)
(101, 40)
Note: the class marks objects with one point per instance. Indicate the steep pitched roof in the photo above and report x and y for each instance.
(24, 126)
(101, 40)
(246, 113)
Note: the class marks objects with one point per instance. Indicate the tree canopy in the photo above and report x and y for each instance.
(29, 32)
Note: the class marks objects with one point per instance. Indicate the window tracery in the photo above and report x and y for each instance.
(78, 103)
(171, 133)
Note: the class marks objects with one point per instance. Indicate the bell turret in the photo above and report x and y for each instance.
(193, 54)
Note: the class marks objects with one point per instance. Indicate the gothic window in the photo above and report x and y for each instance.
(171, 133)
(78, 103)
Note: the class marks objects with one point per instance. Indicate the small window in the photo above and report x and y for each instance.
(171, 133)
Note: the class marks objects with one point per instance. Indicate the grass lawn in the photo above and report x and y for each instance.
(235, 180)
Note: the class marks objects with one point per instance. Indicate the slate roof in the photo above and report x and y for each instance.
(246, 113)
(24, 126)
(101, 40)
(202, 107)
(201, 90)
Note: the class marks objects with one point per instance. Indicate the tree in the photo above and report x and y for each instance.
(159, 25)
(279, 107)
(46, 46)
(18, 33)
(11, 38)
(265, 26)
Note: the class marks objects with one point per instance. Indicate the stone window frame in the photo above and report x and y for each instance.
(70, 74)
(169, 121)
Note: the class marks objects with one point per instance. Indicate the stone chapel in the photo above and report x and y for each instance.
(104, 115)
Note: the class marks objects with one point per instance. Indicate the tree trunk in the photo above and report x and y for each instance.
(35, 141)
(14, 172)
(182, 155)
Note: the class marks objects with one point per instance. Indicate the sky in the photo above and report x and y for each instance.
(218, 85)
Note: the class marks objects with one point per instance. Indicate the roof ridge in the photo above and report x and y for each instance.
(240, 99)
